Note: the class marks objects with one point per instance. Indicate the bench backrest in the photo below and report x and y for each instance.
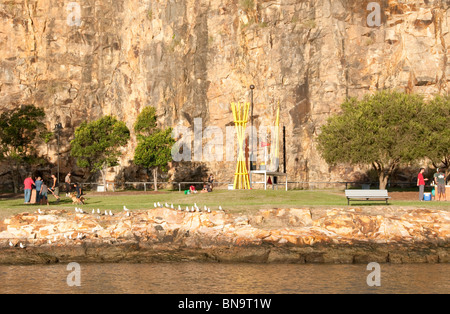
(366, 193)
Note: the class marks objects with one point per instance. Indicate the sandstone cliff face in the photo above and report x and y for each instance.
(191, 58)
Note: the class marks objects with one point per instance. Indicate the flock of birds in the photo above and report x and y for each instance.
(80, 236)
(188, 209)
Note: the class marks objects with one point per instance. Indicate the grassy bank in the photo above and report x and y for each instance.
(232, 201)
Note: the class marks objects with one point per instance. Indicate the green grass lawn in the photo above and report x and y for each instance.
(232, 201)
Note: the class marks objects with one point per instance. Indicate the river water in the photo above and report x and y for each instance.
(200, 278)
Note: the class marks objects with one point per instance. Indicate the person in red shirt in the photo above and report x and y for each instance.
(421, 183)
(28, 186)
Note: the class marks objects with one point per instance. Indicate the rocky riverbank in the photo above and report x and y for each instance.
(269, 236)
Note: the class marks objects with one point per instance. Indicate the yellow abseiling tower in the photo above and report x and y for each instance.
(240, 114)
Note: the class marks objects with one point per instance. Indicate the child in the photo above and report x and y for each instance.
(43, 194)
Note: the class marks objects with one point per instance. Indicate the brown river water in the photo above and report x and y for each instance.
(211, 278)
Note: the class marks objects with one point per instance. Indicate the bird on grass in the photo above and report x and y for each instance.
(154, 204)
(125, 208)
(110, 213)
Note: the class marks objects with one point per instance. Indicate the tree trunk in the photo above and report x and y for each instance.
(155, 178)
(384, 173)
(103, 173)
(383, 178)
(15, 177)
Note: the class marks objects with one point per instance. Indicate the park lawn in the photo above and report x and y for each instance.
(232, 201)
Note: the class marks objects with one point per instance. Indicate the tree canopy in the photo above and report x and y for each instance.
(438, 131)
(384, 130)
(97, 144)
(154, 149)
(21, 129)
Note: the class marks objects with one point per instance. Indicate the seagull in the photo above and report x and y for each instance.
(220, 208)
(110, 213)
(49, 242)
(167, 205)
(209, 210)
(11, 244)
(93, 211)
(106, 213)
(22, 246)
(206, 209)
(171, 206)
(128, 214)
(154, 204)
(65, 236)
(192, 209)
(187, 208)
(159, 205)
(39, 211)
(179, 207)
(125, 208)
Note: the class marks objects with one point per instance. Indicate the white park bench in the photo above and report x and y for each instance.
(367, 195)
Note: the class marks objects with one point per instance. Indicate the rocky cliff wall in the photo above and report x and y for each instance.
(190, 58)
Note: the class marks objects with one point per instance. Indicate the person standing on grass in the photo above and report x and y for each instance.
(67, 181)
(38, 184)
(211, 181)
(43, 194)
(55, 188)
(439, 179)
(421, 183)
(28, 183)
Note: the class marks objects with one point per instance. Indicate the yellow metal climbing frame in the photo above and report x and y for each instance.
(241, 114)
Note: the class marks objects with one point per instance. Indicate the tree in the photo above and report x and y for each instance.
(21, 130)
(384, 130)
(437, 121)
(154, 149)
(97, 144)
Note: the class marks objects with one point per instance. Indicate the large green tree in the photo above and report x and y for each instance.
(437, 122)
(154, 149)
(384, 130)
(97, 144)
(21, 130)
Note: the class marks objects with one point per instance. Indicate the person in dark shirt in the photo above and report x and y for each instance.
(38, 184)
(78, 189)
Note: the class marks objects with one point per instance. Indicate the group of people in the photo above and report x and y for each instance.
(438, 182)
(42, 189)
(207, 187)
